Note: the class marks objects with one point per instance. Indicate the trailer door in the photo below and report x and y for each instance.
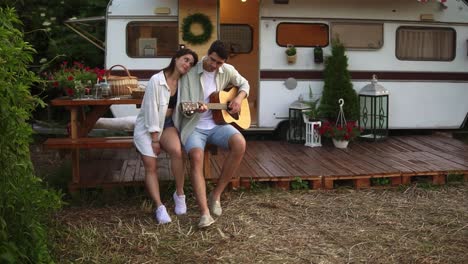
(239, 26)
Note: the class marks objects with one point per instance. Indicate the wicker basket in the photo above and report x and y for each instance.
(121, 85)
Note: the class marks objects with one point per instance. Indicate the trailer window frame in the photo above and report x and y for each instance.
(155, 39)
(400, 45)
(233, 45)
(365, 40)
(285, 34)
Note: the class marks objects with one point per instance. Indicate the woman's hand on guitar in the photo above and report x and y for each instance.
(202, 108)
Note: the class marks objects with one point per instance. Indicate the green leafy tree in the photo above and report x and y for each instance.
(25, 205)
(44, 28)
(337, 84)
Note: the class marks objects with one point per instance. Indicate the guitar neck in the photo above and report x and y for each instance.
(216, 106)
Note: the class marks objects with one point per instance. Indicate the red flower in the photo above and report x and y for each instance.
(69, 75)
(336, 131)
(69, 91)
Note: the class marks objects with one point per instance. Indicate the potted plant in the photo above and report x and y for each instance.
(75, 79)
(312, 113)
(291, 53)
(340, 134)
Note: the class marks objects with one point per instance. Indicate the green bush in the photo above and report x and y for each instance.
(337, 84)
(25, 205)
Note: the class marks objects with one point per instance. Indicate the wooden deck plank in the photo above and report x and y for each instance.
(286, 157)
(129, 174)
(437, 143)
(404, 156)
(332, 167)
(257, 170)
(449, 140)
(338, 157)
(382, 167)
(394, 161)
(137, 168)
(441, 163)
(368, 165)
(312, 168)
(264, 158)
(401, 144)
(412, 141)
(283, 161)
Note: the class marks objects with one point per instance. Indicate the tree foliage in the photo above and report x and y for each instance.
(24, 205)
(337, 84)
(45, 29)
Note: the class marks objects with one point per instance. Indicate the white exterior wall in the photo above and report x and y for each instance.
(413, 104)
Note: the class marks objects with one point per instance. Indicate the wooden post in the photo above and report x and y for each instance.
(362, 183)
(75, 152)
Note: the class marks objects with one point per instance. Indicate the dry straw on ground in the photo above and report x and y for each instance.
(405, 225)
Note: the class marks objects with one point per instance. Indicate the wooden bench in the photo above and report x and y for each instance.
(112, 142)
(89, 143)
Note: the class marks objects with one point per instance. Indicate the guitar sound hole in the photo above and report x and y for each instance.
(235, 116)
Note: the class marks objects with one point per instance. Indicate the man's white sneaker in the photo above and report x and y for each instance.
(215, 206)
(162, 216)
(205, 221)
(180, 206)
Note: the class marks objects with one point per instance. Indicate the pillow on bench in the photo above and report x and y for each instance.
(116, 123)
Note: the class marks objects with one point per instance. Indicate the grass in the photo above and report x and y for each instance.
(407, 225)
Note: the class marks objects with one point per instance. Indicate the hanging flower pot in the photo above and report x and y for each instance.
(340, 143)
(341, 132)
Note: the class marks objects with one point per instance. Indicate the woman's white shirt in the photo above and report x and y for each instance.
(152, 113)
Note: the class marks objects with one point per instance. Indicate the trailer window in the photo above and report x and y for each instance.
(423, 43)
(239, 37)
(358, 35)
(152, 39)
(302, 34)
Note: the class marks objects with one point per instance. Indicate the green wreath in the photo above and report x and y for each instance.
(201, 19)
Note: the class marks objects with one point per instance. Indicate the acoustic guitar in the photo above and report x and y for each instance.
(219, 102)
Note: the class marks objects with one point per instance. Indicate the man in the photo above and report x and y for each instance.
(211, 74)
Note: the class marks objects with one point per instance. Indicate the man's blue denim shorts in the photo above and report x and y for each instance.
(219, 136)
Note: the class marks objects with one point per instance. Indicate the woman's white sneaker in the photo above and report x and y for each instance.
(180, 206)
(162, 216)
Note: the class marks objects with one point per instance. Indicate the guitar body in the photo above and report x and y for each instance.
(240, 120)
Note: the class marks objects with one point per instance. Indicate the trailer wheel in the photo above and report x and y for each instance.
(281, 131)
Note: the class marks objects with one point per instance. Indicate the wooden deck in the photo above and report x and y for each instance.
(399, 158)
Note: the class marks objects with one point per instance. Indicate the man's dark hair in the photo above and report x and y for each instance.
(220, 48)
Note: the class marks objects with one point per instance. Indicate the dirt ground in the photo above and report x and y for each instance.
(410, 224)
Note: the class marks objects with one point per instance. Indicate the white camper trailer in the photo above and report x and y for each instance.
(418, 49)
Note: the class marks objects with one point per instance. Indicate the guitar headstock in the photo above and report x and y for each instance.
(189, 108)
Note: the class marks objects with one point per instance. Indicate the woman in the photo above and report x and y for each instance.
(154, 130)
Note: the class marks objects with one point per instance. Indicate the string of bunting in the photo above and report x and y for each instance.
(197, 18)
